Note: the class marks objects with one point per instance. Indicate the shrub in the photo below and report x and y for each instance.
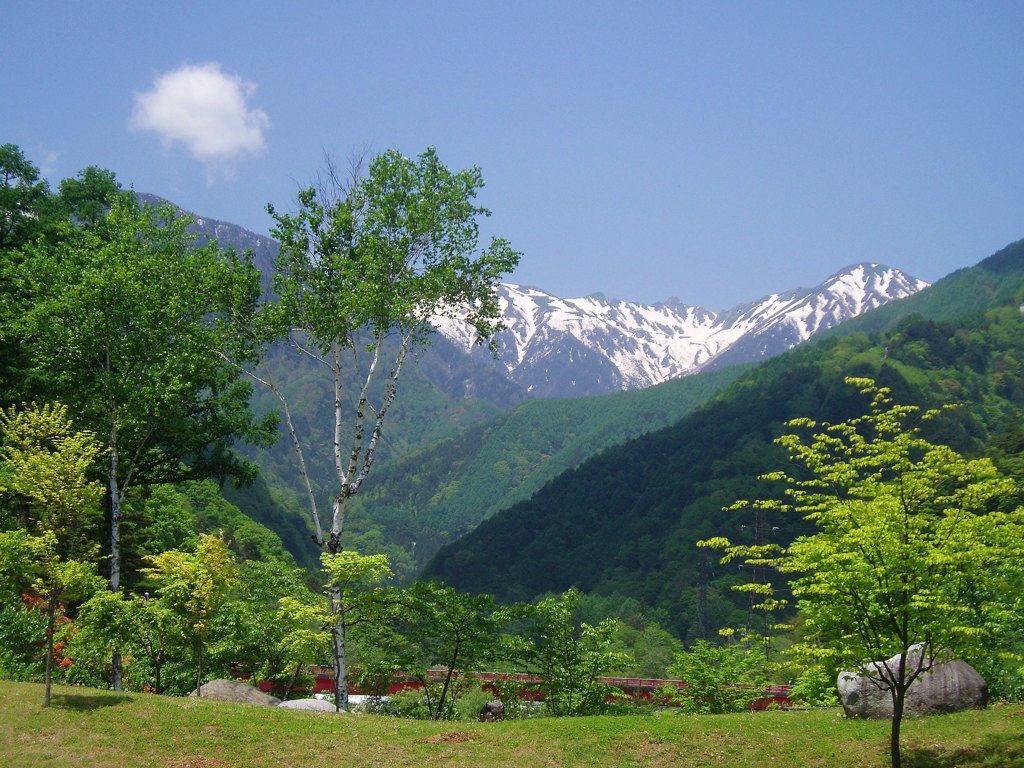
(718, 679)
(816, 687)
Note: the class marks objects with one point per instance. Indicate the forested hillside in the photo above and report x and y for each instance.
(443, 391)
(432, 496)
(626, 521)
(451, 456)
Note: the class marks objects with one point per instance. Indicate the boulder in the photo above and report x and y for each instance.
(310, 705)
(235, 692)
(949, 686)
(492, 712)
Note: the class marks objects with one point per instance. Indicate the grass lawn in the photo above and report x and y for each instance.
(87, 727)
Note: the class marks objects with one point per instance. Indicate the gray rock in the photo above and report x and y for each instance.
(310, 705)
(492, 712)
(235, 692)
(949, 686)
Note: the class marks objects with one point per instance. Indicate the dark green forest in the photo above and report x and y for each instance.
(432, 496)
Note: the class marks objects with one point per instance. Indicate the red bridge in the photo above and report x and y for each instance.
(640, 688)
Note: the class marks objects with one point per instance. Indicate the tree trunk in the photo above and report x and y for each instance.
(115, 550)
(117, 670)
(338, 647)
(333, 546)
(291, 682)
(427, 695)
(447, 682)
(897, 720)
(199, 668)
(50, 621)
(899, 698)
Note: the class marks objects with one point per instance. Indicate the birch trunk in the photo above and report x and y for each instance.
(340, 662)
(115, 547)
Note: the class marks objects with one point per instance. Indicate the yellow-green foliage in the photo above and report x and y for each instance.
(913, 549)
(195, 584)
(49, 463)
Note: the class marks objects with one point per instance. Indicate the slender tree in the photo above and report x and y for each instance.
(49, 467)
(443, 628)
(363, 268)
(119, 328)
(570, 656)
(195, 586)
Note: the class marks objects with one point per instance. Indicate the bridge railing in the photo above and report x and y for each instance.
(641, 688)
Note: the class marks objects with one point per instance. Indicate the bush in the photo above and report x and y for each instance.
(22, 630)
(717, 679)
(468, 706)
(1005, 678)
(816, 687)
(411, 704)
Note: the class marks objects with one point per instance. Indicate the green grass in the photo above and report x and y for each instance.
(86, 727)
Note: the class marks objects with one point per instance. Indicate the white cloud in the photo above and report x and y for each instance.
(48, 164)
(207, 111)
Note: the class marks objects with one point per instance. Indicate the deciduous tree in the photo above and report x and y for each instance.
(23, 196)
(456, 632)
(49, 466)
(571, 655)
(363, 268)
(195, 587)
(119, 328)
(913, 553)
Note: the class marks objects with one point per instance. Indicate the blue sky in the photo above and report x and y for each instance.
(710, 151)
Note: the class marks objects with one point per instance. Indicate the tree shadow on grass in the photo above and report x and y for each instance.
(1002, 751)
(83, 702)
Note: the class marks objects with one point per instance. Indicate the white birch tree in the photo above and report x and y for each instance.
(363, 268)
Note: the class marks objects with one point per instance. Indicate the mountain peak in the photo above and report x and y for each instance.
(554, 347)
(592, 345)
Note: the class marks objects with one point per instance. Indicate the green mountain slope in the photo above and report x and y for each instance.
(625, 522)
(413, 506)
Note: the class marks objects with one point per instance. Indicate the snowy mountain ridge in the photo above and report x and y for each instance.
(555, 347)
(591, 345)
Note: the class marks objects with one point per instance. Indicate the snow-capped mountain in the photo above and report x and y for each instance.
(556, 347)
(560, 347)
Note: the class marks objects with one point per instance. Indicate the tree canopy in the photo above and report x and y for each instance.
(49, 464)
(364, 265)
(915, 550)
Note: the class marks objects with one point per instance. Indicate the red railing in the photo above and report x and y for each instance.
(642, 688)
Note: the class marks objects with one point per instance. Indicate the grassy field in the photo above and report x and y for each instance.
(86, 727)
